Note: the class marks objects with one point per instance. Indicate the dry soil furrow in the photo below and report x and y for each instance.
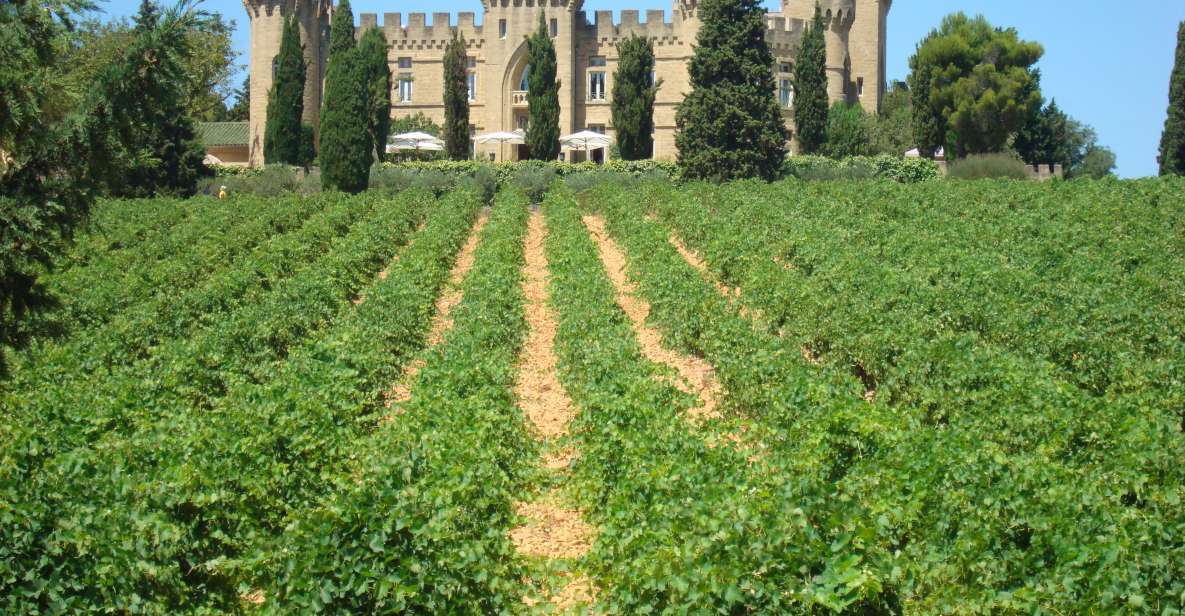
(552, 531)
(442, 320)
(696, 375)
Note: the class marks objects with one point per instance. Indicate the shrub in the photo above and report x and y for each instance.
(534, 180)
(268, 181)
(847, 131)
(904, 170)
(983, 166)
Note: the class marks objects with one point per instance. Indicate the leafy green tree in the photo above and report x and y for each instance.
(1172, 141)
(891, 130)
(209, 65)
(847, 131)
(45, 186)
(1052, 137)
(811, 116)
(730, 125)
(151, 146)
(1098, 162)
(973, 85)
(456, 99)
(341, 30)
(633, 98)
(285, 103)
(543, 96)
(346, 145)
(373, 49)
(240, 111)
(417, 122)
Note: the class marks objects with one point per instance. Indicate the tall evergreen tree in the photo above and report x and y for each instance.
(810, 88)
(240, 110)
(633, 98)
(152, 146)
(929, 124)
(543, 96)
(1172, 142)
(373, 49)
(285, 103)
(341, 30)
(346, 145)
(456, 99)
(730, 125)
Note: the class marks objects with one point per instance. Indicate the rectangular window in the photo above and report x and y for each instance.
(784, 67)
(596, 61)
(786, 92)
(404, 62)
(502, 28)
(596, 85)
(470, 62)
(860, 87)
(555, 27)
(597, 128)
(405, 84)
(472, 86)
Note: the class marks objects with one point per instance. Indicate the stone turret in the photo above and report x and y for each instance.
(267, 25)
(855, 36)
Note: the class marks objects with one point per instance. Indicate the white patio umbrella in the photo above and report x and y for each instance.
(414, 141)
(585, 140)
(499, 137)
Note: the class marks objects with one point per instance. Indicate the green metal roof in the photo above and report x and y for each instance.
(222, 133)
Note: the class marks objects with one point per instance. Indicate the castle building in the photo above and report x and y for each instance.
(586, 54)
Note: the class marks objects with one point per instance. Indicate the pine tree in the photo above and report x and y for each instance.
(373, 49)
(150, 145)
(730, 125)
(345, 143)
(456, 99)
(543, 96)
(929, 124)
(1172, 142)
(810, 88)
(633, 98)
(341, 30)
(285, 103)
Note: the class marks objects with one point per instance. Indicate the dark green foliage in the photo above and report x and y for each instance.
(985, 166)
(810, 88)
(730, 125)
(285, 103)
(373, 49)
(892, 129)
(974, 86)
(1052, 137)
(633, 98)
(148, 145)
(847, 131)
(341, 30)
(1172, 141)
(308, 146)
(456, 99)
(240, 111)
(543, 96)
(44, 189)
(346, 145)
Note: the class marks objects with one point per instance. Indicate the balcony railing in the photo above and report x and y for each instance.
(518, 99)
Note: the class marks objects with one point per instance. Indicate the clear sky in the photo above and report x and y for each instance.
(1106, 62)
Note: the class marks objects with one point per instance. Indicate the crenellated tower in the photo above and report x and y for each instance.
(855, 38)
(267, 25)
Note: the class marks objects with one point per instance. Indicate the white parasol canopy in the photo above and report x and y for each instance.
(500, 137)
(428, 146)
(585, 140)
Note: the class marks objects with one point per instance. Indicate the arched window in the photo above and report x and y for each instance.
(522, 80)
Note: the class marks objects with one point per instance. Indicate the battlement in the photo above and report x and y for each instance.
(783, 34)
(656, 27)
(418, 31)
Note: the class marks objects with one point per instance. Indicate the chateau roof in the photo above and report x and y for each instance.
(222, 133)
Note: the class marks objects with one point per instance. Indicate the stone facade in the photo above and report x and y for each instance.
(586, 59)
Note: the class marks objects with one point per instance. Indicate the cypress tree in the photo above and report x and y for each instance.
(633, 98)
(341, 30)
(1172, 142)
(543, 96)
(810, 88)
(285, 103)
(456, 99)
(373, 49)
(730, 125)
(345, 143)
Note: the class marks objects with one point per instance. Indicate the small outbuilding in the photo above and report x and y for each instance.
(225, 142)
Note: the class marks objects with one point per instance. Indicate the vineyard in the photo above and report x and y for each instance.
(635, 397)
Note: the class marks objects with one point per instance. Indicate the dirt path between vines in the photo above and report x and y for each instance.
(552, 531)
(442, 320)
(697, 376)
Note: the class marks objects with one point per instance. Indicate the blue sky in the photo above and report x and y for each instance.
(1107, 63)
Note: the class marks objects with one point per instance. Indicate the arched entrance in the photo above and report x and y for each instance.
(514, 100)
